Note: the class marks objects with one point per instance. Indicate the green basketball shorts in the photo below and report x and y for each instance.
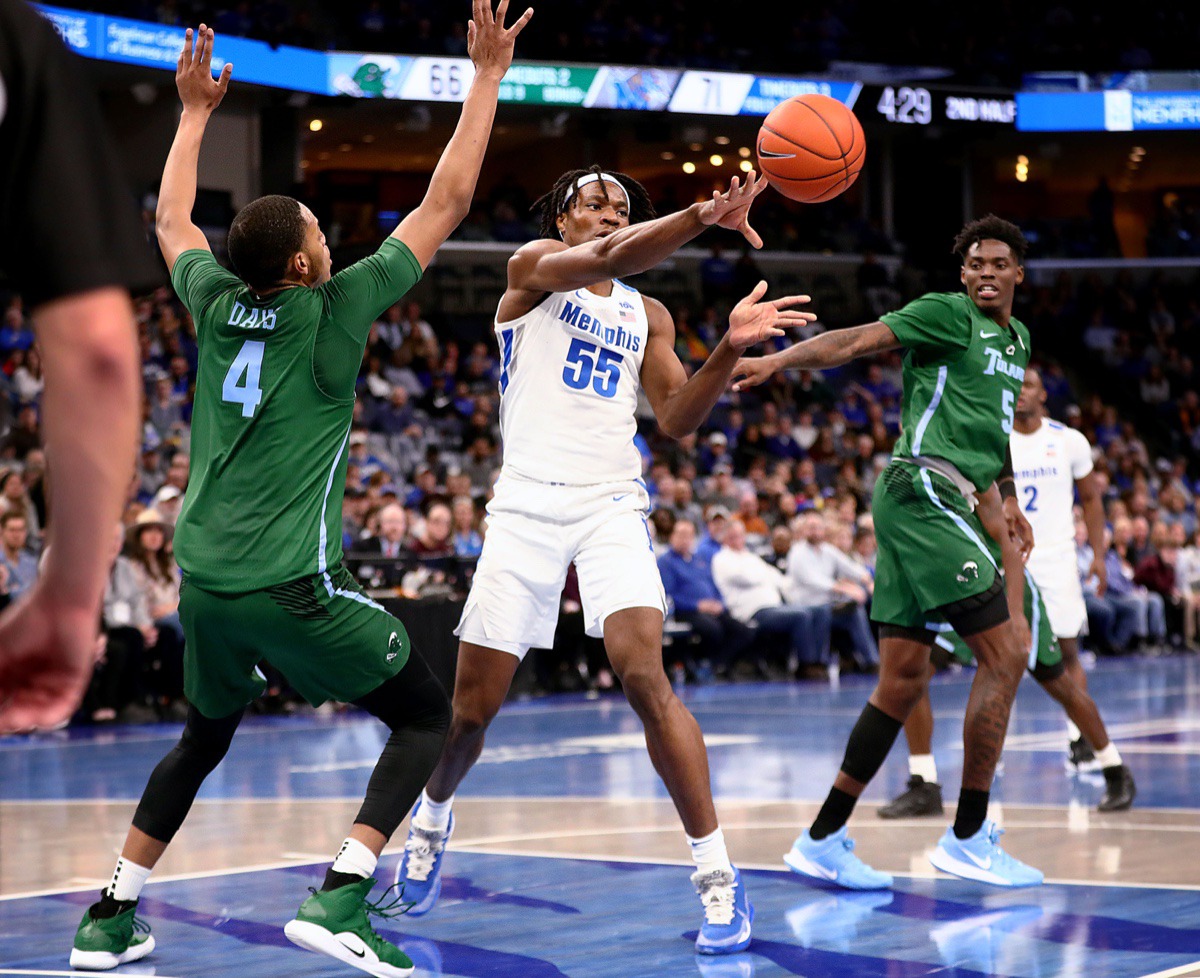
(323, 633)
(932, 549)
(1045, 657)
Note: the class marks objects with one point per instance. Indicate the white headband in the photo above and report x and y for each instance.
(593, 178)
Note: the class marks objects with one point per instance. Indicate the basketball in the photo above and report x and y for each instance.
(811, 148)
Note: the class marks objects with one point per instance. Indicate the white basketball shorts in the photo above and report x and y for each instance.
(534, 532)
(1057, 577)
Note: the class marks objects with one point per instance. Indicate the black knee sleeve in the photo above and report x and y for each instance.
(922, 635)
(415, 706)
(979, 612)
(173, 785)
(1047, 674)
(870, 742)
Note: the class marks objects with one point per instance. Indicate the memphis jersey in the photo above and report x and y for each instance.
(570, 371)
(1046, 465)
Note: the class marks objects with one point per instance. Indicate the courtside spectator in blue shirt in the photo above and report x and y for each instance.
(687, 579)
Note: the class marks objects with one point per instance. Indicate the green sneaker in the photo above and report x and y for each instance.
(102, 943)
(335, 922)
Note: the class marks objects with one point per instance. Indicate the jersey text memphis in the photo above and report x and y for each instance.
(569, 375)
(1046, 465)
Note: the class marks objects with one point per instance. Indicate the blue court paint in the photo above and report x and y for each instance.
(642, 924)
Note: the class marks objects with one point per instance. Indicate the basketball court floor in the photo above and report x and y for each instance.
(567, 859)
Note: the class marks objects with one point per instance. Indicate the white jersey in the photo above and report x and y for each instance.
(570, 370)
(1045, 466)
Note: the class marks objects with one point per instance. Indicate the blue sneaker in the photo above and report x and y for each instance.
(728, 913)
(981, 858)
(420, 869)
(832, 860)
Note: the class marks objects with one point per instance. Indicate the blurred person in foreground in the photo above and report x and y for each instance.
(74, 247)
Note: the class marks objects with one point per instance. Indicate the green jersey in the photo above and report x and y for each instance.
(962, 373)
(271, 417)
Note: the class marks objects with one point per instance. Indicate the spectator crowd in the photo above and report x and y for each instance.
(761, 520)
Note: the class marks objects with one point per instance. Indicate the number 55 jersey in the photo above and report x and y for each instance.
(569, 490)
(570, 372)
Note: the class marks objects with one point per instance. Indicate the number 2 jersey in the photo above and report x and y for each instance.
(570, 371)
(271, 417)
(1046, 464)
(961, 374)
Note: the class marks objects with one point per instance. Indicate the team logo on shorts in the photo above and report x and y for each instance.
(394, 645)
(969, 572)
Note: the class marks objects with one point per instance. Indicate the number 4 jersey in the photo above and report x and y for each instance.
(570, 372)
(962, 372)
(271, 417)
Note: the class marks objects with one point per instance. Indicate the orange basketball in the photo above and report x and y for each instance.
(811, 148)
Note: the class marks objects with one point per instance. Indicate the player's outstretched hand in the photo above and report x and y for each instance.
(751, 321)
(46, 658)
(752, 371)
(489, 42)
(193, 74)
(731, 209)
(1019, 530)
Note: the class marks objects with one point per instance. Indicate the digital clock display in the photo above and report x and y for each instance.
(918, 105)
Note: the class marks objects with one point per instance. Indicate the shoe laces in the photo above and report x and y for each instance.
(387, 907)
(422, 848)
(717, 895)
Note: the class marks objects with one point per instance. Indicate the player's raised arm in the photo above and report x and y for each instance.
(200, 94)
(551, 266)
(452, 186)
(830, 349)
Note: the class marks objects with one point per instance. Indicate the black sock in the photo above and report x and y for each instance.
(833, 814)
(972, 810)
(108, 907)
(334, 880)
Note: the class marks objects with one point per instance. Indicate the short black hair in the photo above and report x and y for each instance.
(995, 228)
(551, 204)
(263, 237)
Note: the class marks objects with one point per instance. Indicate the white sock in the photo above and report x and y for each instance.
(127, 880)
(355, 858)
(923, 766)
(433, 816)
(709, 852)
(1073, 732)
(1110, 756)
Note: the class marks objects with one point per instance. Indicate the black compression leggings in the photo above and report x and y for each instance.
(412, 703)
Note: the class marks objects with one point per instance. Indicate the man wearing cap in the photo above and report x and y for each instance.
(722, 491)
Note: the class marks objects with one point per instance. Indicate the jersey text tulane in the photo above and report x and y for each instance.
(962, 373)
(271, 417)
(570, 370)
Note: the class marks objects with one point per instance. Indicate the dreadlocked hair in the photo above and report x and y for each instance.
(995, 228)
(551, 204)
